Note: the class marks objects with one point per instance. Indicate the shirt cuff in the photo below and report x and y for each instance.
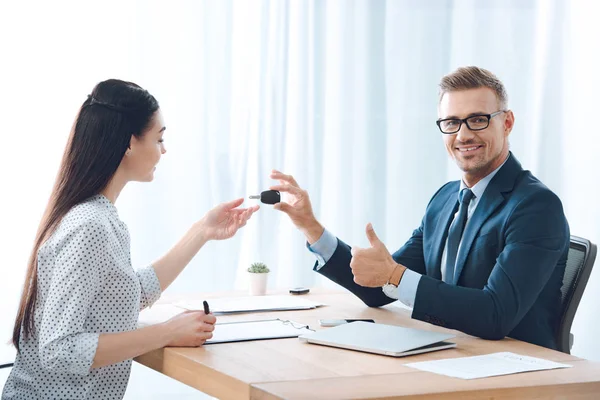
(85, 347)
(407, 289)
(73, 354)
(323, 248)
(150, 286)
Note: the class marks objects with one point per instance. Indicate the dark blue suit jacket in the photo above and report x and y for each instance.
(509, 269)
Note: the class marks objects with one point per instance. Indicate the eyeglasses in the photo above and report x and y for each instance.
(474, 122)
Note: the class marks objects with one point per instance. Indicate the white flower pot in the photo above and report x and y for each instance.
(258, 283)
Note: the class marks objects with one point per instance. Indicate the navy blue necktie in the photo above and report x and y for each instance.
(455, 233)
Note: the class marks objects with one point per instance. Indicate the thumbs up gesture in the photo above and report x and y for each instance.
(373, 266)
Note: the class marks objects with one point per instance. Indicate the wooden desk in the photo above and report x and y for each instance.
(290, 369)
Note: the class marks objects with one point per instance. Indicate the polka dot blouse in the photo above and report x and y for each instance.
(86, 286)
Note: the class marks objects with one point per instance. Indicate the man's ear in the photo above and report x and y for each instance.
(509, 122)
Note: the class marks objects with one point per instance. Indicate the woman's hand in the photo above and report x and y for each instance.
(190, 329)
(223, 221)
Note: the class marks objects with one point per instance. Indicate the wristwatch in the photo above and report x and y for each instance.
(390, 289)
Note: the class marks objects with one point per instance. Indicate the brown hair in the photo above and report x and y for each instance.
(473, 78)
(114, 112)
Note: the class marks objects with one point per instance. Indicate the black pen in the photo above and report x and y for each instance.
(206, 309)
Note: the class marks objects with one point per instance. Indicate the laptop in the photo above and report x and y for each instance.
(387, 340)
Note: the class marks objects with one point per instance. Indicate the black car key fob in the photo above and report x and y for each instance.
(268, 197)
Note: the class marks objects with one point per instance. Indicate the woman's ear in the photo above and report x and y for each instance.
(132, 144)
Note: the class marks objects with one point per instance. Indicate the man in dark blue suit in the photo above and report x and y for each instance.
(490, 254)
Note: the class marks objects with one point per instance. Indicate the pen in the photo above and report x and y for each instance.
(206, 309)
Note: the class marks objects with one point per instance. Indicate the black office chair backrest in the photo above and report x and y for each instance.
(580, 261)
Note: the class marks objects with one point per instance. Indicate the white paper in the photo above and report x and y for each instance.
(251, 304)
(255, 330)
(157, 314)
(401, 305)
(486, 365)
(7, 354)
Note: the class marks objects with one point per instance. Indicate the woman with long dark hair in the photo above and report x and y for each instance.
(76, 328)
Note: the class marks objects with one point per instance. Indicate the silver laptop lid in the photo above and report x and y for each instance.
(375, 338)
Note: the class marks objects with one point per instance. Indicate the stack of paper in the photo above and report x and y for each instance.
(487, 365)
(256, 330)
(157, 314)
(7, 354)
(252, 304)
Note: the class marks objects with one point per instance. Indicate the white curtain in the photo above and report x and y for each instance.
(341, 94)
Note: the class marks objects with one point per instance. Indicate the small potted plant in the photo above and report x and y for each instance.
(258, 273)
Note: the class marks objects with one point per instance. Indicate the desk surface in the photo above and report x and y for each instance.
(288, 368)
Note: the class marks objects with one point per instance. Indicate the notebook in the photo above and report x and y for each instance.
(233, 305)
(388, 340)
(257, 330)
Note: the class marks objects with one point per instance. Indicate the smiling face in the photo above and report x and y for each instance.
(477, 153)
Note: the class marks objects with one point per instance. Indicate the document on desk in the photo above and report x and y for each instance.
(484, 366)
(232, 305)
(7, 354)
(257, 330)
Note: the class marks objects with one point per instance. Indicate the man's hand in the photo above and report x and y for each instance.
(297, 206)
(372, 267)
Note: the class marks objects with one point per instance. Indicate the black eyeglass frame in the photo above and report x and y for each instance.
(464, 120)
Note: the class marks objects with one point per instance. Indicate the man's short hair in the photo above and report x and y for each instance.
(472, 78)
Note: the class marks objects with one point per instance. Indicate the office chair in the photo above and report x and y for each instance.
(580, 261)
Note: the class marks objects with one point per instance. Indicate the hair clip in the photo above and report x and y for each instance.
(109, 106)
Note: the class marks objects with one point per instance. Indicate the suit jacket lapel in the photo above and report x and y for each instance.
(446, 216)
(487, 205)
(492, 198)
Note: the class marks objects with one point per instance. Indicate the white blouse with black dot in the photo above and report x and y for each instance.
(86, 286)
